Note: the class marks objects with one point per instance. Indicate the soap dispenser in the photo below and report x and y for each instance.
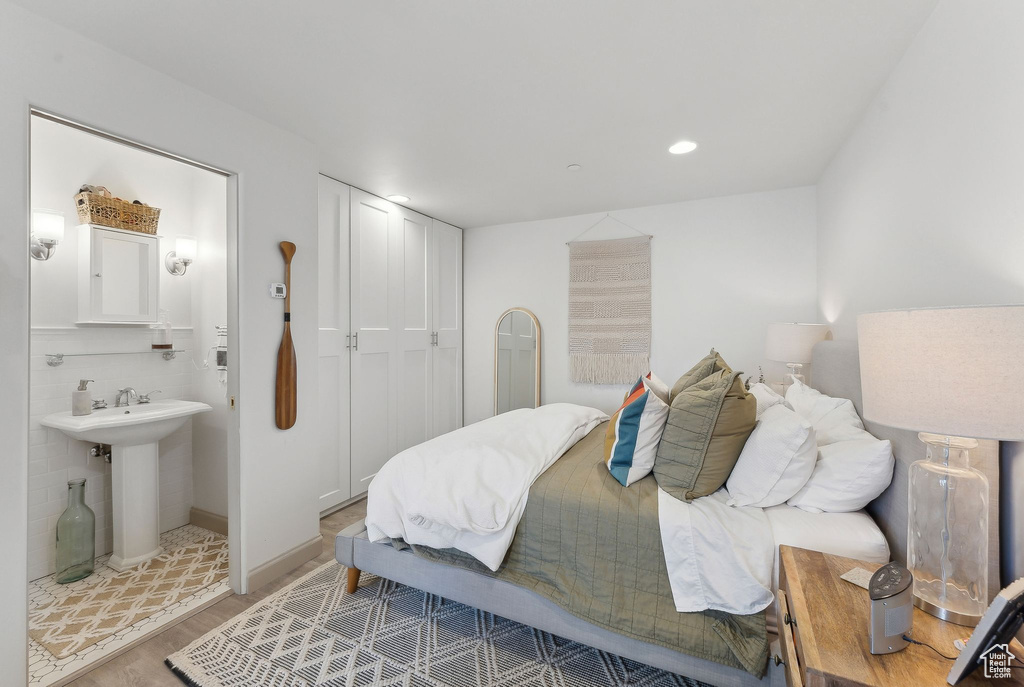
(81, 398)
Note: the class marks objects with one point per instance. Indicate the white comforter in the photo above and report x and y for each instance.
(467, 489)
(718, 557)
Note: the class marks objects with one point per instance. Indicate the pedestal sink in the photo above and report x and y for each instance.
(134, 434)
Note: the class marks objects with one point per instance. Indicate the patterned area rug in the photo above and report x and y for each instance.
(312, 633)
(94, 612)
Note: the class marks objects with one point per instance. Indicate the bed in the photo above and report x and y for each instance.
(836, 373)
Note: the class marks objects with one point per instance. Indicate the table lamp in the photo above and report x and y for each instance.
(953, 375)
(791, 343)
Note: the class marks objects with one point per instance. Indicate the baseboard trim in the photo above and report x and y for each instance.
(208, 521)
(285, 563)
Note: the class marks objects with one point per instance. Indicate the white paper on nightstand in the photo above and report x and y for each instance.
(858, 576)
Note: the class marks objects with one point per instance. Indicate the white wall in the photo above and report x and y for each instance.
(722, 269)
(63, 159)
(924, 204)
(273, 486)
(209, 275)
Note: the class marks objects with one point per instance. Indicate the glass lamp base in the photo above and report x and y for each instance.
(795, 374)
(947, 531)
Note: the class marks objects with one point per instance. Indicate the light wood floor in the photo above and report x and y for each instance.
(144, 664)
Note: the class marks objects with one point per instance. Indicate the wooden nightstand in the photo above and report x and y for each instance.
(823, 630)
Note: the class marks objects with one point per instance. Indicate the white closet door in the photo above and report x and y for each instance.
(447, 319)
(413, 357)
(376, 255)
(334, 485)
(407, 329)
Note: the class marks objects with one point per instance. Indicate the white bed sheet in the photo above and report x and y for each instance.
(853, 535)
(717, 556)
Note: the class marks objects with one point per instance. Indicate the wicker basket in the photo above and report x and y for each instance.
(113, 212)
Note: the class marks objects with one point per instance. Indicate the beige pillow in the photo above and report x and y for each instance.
(708, 424)
(712, 362)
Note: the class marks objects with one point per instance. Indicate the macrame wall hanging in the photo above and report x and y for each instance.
(609, 307)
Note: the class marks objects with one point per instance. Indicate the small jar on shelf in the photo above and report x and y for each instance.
(163, 338)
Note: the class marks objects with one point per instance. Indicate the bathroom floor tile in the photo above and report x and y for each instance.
(46, 670)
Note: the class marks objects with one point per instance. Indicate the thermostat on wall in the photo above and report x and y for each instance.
(278, 291)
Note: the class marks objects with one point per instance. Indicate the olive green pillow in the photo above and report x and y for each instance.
(708, 424)
(712, 362)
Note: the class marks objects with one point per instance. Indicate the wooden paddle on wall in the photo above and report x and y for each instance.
(287, 374)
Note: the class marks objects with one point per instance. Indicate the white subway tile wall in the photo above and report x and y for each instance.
(54, 458)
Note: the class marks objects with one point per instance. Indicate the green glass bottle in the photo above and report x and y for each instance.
(76, 536)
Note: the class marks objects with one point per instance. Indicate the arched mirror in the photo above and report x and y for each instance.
(516, 361)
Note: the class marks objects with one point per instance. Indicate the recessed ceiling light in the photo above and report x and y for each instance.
(682, 147)
(574, 167)
(398, 198)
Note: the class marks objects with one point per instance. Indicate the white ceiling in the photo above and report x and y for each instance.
(474, 108)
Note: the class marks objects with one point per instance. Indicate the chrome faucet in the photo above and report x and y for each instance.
(124, 394)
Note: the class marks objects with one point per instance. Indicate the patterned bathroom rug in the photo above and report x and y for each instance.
(95, 611)
(313, 634)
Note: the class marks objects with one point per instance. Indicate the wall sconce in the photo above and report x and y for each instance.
(184, 253)
(47, 232)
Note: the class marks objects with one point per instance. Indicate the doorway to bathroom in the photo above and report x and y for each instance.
(130, 414)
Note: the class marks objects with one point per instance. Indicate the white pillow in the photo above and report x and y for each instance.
(659, 387)
(833, 419)
(849, 475)
(766, 397)
(776, 461)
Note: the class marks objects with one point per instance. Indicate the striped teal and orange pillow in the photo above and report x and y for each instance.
(631, 440)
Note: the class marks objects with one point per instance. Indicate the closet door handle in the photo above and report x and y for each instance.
(348, 341)
(355, 341)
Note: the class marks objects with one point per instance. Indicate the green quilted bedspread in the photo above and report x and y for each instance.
(593, 547)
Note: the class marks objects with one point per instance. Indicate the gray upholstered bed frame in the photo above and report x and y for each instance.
(836, 372)
(353, 549)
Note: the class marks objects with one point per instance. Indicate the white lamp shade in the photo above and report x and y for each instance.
(185, 248)
(48, 225)
(791, 342)
(949, 371)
